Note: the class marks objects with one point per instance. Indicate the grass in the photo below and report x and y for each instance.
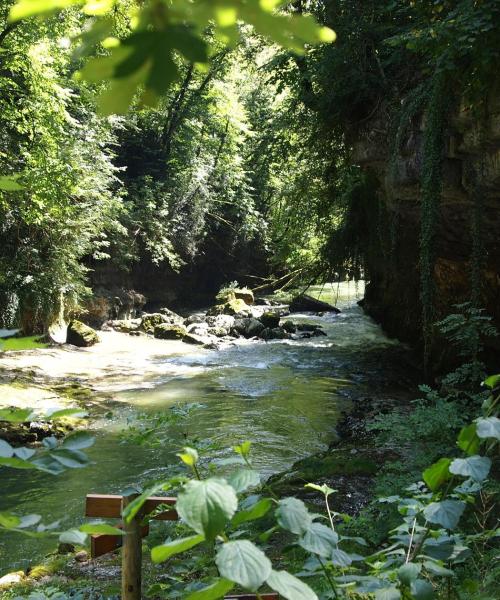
(22, 343)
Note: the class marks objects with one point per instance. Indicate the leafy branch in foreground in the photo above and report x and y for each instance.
(160, 32)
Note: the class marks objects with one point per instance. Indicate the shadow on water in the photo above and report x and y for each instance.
(284, 396)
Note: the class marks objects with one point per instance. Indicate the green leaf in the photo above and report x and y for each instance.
(9, 183)
(9, 521)
(73, 459)
(30, 8)
(29, 521)
(422, 590)
(6, 450)
(73, 536)
(101, 529)
(435, 475)
(135, 506)
(161, 553)
(319, 539)
(257, 511)
(212, 592)
(488, 427)
(292, 515)
(189, 456)
(468, 440)
(391, 593)
(475, 467)
(492, 381)
(78, 441)
(289, 586)
(340, 558)
(324, 489)
(207, 505)
(17, 463)
(243, 563)
(446, 513)
(242, 479)
(440, 549)
(16, 415)
(66, 412)
(243, 449)
(437, 569)
(409, 572)
(24, 453)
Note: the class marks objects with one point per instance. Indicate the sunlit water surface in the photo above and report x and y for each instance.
(284, 396)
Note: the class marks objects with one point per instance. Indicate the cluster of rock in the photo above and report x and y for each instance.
(237, 315)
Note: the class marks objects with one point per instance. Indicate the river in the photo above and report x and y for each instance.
(284, 396)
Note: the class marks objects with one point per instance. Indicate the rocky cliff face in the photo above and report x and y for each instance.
(471, 169)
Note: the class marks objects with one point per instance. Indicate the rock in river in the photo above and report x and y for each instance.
(305, 303)
(270, 319)
(81, 335)
(164, 331)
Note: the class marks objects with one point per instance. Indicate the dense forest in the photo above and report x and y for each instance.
(167, 155)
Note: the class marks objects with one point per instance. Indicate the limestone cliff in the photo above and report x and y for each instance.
(471, 169)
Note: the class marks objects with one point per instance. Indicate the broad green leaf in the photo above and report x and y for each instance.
(340, 558)
(189, 456)
(73, 459)
(29, 521)
(289, 586)
(475, 467)
(66, 412)
(242, 479)
(468, 440)
(30, 8)
(16, 415)
(257, 511)
(212, 592)
(8, 520)
(390, 593)
(319, 539)
(9, 183)
(446, 513)
(161, 553)
(24, 453)
(324, 489)
(243, 563)
(292, 515)
(78, 441)
(422, 590)
(435, 475)
(101, 529)
(6, 450)
(48, 464)
(17, 463)
(440, 549)
(409, 572)
(488, 427)
(207, 505)
(73, 536)
(437, 569)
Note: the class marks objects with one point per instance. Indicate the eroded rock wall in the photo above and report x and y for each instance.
(471, 169)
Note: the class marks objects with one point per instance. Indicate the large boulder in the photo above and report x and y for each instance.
(195, 340)
(247, 327)
(275, 333)
(244, 294)
(289, 327)
(124, 325)
(149, 322)
(172, 317)
(81, 335)
(270, 319)
(112, 304)
(165, 331)
(233, 306)
(306, 303)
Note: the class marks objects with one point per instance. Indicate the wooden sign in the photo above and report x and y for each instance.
(112, 507)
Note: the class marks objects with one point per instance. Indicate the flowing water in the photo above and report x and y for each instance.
(285, 396)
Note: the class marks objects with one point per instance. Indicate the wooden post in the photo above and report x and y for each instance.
(131, 555)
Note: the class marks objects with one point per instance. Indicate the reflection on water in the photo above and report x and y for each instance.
(284, 396)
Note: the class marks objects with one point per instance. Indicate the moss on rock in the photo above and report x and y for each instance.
(81, 335)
